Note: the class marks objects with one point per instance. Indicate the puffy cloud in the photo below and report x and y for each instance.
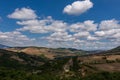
(83, 34)
(43, 26)
(14, 38)
(92, 38)
(109, 24)
(117, 35)
(60, 37)
(78, 7)
(85, 26)
(100, 33)
(109, 29)
(23, 14)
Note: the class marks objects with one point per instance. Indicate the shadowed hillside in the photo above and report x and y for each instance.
(19, 60)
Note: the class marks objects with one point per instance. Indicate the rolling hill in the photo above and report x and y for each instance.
(50, 53)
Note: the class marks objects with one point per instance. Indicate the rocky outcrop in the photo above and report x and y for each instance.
(68, 65)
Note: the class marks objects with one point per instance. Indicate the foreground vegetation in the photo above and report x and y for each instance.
(6, 74)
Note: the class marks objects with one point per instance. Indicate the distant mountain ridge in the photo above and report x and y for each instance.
(117, 48)
(3, 46)
(114, 50)
(110, 52)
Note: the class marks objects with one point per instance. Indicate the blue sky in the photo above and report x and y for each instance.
(82, 24)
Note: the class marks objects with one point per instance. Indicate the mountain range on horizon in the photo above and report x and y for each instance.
(3, 46)
(6, 46)
(57, 52)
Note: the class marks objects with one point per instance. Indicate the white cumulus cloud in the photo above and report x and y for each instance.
(23, 14)
(109, 29)
(109, 24)
(78, 7)
(14, 38)
(43, 25)
(88, 25)
(60, 37)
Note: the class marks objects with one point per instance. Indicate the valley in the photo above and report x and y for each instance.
(39, 63)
